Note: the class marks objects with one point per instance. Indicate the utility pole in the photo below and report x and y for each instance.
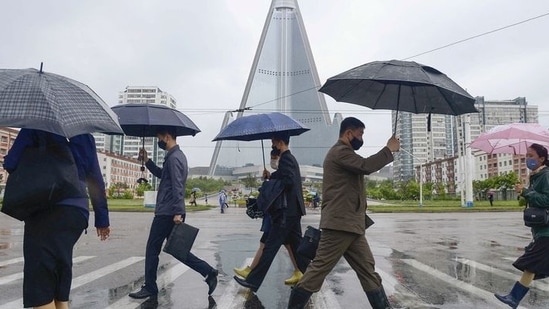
(468, 166)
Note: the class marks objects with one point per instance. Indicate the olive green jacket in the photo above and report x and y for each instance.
(537, 195)
(343, 191)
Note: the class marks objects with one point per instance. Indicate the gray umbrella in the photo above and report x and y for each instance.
(400, 86)
(34, 99)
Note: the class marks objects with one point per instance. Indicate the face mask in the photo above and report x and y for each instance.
(531, 163)
(162, 144)
(274, 164)
(356, 143)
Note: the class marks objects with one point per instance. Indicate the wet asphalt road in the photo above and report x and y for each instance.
(445, 261)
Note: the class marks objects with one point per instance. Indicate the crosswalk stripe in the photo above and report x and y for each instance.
(18, 276)
(231, 292)
(536, 284)
(12, 261)
(487, 296)
(84, 279)
(168, 276)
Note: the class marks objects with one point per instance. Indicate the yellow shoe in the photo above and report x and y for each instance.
(243, 272)
(294, 279)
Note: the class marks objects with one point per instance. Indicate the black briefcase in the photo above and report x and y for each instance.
(181, 241)
(309, 243)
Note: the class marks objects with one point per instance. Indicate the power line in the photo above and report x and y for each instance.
(478, 35)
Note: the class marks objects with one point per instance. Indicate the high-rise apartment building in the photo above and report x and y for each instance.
(446, 138)
(129, 145)
(284, 79)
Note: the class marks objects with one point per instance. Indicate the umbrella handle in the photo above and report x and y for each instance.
(263, 156)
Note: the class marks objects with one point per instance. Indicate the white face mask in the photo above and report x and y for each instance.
(274, 164)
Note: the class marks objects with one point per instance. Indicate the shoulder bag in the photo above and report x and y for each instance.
(536, 216)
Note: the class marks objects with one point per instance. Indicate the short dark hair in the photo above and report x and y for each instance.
(167, 130)
(541, 151)
(350, 123)
(282, 136)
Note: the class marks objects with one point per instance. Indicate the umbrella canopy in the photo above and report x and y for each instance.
(400, 86)
(260, 127)
(145, 119)
(514, 138)
(34, 99)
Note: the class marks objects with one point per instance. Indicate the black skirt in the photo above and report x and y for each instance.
(535, 258)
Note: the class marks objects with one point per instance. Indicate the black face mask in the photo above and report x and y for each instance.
(162, 145)
(356, 143)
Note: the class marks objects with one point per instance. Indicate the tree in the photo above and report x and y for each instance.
(250, 181)
(142, 187)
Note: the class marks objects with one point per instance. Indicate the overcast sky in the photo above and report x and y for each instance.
(201, 51)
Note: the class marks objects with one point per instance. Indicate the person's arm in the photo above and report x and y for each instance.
(23, 140)
(153, 168)
(352, 161)
(178, 175)
(286, 171)
(539, 197)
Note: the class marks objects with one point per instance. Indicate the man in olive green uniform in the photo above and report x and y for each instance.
(343, 216)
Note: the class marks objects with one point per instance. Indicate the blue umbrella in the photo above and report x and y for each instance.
(260, 127)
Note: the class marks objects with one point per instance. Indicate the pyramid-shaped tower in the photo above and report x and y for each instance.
(283, 78)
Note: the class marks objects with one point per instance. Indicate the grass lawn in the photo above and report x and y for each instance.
(136, 205)
(444, 206)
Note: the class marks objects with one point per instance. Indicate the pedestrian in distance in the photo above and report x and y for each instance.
(265, 227)
(491, 198)
(169, 210)
(50, 235)
(534, 263)
(285, 221)
(222, 198)
(342, 221)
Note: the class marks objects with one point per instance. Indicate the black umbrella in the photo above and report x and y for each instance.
(400, 86)
(35, 99)
(260, 127)
(144, 120)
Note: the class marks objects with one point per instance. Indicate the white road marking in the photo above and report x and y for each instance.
(469, 288)
(227, 300)
(168, 276)
(18, 276)
(84, 279)
(536, 284)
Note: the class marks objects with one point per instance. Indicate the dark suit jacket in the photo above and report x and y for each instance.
(288, 172)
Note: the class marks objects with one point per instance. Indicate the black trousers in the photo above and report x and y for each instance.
(280, 233)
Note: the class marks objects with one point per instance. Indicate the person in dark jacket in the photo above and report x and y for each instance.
(50, 235)
(534, 263)
(170, 210)
(285, 222)
(343, 217)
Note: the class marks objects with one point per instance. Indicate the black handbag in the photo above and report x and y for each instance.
(309, 243)
(536, 216)
(252, 209)
(45, 174)
(181, 241)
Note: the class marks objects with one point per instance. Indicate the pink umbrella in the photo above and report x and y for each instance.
(514, 138)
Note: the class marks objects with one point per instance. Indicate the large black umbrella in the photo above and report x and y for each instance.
(144, 120)
(400, 86)
(260, 127)
(34, 99)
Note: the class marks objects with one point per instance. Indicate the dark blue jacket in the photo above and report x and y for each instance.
(170, 199)
(85, 156)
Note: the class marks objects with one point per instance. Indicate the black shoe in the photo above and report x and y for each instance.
(211, 280)
(143, 293)
(245, 284)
